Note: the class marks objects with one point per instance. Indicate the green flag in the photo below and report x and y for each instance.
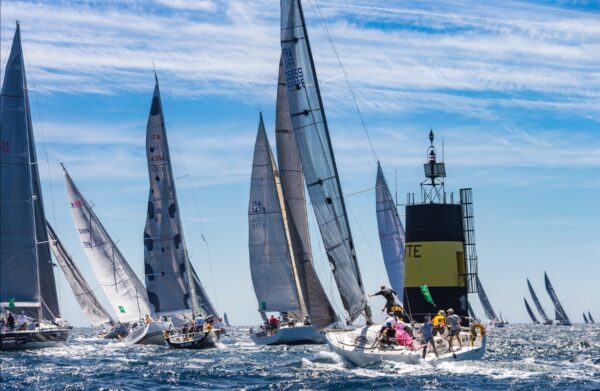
(11, 304)
(122, 309)
(426, 294)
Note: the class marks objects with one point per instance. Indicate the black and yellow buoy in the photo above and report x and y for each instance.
(436, 275)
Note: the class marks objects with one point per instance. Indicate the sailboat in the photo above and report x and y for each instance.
(530, 312)
(226, 319)
(487, 306)
(560, 315)
(590, 317)
(585, 319)
(276, 269)
(538, 305)
(323, 183)
(391, 234)
(174, 289)
(120, 284)
(87, 300)
(27, 284)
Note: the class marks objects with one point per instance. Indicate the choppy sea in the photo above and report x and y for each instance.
(518, 357)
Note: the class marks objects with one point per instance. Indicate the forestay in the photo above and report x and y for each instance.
(559, 311)
(318, 162)
(84, 295)
(122, 287)
(391, 234)
(166, 261)
(270, 256)
(537, 303)
(485, 302)
(290, 169)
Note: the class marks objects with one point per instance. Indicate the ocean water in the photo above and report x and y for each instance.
(519, 357)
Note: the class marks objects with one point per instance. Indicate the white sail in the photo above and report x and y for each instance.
(318, 161)
(87, 300)
(391, 234)
(166, 261)
(121, 286)
(273, 279)
(26, 274)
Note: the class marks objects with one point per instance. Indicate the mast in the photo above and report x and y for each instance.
(318, 160)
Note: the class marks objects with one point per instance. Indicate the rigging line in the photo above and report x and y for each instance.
(210, 268)
(330, 39)
(366, 240)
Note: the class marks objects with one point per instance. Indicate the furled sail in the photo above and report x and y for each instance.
(537, 303)
(391, 234)
(590, 317)
(318, 161)
(485, 302)
(530, 312)
(585, 319)
(292, 180)
(26, 274)
(84, 295)
(166, 261)
(270, 256)
(122, 287)
(560, 314)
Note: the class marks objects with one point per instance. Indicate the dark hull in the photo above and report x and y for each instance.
(197, 341)
(33, 339)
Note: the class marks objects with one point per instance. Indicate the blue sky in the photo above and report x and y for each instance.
(513, 88)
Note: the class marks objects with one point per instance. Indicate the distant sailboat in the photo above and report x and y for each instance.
(530, 312)
(559, 312)
(585, 319)
(173, 287)
(87, 300)
(391, 234)
(590, 317)
(487, 306)
(538, 305)
(27, 283)
(226, 319)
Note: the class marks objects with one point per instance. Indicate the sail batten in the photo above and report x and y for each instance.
(168, 270)
(391, 234)
(485, 302)
(315, 299)
(122, 287)
(275, 285)
(318, 161)
(87, 300)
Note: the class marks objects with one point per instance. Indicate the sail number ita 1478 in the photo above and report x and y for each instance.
(294, 77)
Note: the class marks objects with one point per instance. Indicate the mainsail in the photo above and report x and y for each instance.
(485, 302)
(590, 317)
(318, 161)
(290, 169)
(391, 234)
(226, 319)
(166, 261)
(530, 312)
(585, 319)
(271, 267)
(84, 295)
(537, 303)
(26, 274)
(560, 314)
(122, 287)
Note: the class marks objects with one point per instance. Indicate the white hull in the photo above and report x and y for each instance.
(148, 334)
(297, 335)
(360, 348)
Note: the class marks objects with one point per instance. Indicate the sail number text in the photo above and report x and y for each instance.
(294, 77)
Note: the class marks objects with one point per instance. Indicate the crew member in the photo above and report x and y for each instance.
(388, 294)
(439, 323)
(453, 322)
(427, 331)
